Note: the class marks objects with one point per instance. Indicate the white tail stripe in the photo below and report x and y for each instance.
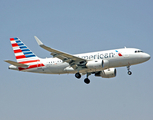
(16, 48)
(17, 54)
(13, 42)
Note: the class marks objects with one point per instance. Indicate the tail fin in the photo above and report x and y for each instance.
(22, 53)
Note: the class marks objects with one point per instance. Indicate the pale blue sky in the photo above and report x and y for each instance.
(76, 26)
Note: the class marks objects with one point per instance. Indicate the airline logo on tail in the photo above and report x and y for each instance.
(20, 50)
(24, 55)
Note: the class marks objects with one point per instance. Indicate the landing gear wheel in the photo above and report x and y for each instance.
(78, 75)
(129, 72)
(87, 81)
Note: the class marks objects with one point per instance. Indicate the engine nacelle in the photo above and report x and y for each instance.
(108, 73)
(105, 64)
(96, 64)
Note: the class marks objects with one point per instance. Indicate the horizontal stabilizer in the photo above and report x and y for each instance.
(16, 64)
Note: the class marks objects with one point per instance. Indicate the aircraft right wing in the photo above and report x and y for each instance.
(65, 57)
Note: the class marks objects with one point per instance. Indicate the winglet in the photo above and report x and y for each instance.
(38, 41)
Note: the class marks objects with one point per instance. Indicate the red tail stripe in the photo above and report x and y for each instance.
(32, 66)
(20, 57)
(30, 61)
(11, 39)
(14, 45)
(17, 51)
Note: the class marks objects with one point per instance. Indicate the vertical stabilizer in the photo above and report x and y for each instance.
(23, 54)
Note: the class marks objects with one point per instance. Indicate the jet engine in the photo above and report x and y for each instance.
(96, 64)
(107, 73)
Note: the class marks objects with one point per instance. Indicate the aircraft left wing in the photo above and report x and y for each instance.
(65, 57)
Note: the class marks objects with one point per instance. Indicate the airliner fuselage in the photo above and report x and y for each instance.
(101, 63)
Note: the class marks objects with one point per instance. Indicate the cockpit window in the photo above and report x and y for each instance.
(138, 51)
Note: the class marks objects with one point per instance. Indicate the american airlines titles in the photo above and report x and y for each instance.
(98, 56)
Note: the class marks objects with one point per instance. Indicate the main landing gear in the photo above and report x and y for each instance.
(129, 72)
(86, 80)
(78, 75)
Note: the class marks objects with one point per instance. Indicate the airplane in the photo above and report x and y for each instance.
(101, 64)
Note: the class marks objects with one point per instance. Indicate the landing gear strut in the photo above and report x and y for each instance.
(129, 72)
(86, 80)
(78, 75)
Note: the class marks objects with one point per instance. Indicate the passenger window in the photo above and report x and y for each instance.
(140, 51)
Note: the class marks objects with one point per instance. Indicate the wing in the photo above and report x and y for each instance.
(65, 57)
(16, 64)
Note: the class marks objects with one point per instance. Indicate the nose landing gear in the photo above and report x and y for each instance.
(129, 72)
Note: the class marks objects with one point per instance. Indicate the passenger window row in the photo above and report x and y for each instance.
(138, 51)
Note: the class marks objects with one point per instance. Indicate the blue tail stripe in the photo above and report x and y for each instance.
(19, 44)
(18, 41)
(25, 50)
(25, 53)
(29, 56)
(23, 47)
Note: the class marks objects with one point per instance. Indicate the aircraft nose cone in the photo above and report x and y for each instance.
(146, 56)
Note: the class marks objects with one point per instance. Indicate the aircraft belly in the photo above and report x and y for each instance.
(87, 70)
(56, 68)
